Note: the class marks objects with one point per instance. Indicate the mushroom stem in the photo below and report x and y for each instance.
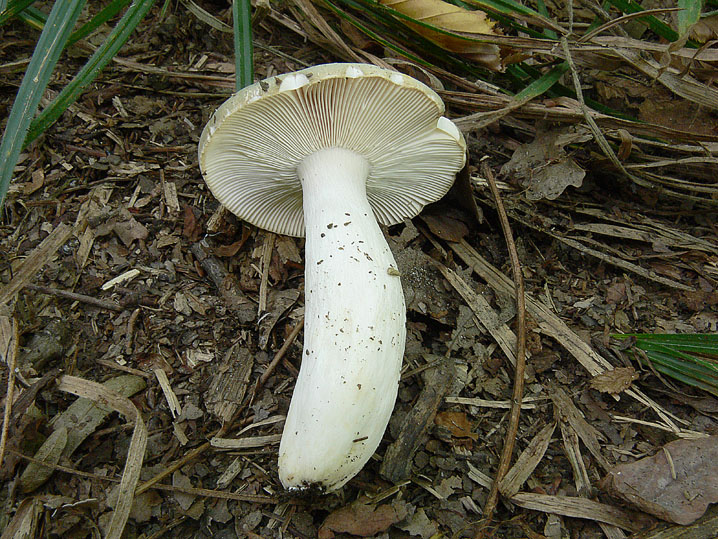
(355, 329)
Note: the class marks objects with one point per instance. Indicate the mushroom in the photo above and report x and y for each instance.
(329, 153)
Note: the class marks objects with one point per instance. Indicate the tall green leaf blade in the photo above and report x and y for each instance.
(52, 41)
(104, 15)
(243, 51)
(115, 40)
(11, 9)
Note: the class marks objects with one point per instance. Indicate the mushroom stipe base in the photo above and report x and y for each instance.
(355, 328)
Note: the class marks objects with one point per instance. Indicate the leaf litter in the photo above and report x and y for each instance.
(127, 199)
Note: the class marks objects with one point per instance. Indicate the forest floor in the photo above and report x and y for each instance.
(138, 239)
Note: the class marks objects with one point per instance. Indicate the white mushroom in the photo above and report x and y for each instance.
(325, 153)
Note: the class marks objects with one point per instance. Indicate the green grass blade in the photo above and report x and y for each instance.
(657, 25)
(689, 14)
(689, 358)
(681, 377)
(119, 35)
(12, 9)
(243, 51)
(52, 41)
(104, 15)
(33, 17)
(376, 36)
(543, 84)
(687, 367)
(548, 33)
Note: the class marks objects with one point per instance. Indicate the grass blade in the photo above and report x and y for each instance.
(104, 15)
(689, 358)
(657, 25)
(689, 14)
(543, 84)
(12, 9)
(119, 35)
(243, 51)
(47, 52)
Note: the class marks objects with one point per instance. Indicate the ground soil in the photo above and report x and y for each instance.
(125, 159)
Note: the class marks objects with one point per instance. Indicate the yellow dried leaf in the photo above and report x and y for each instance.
(452, 19)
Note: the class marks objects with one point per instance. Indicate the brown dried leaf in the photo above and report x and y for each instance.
(192, 230)
(543, 167)
(457, 423)
(38, 180)
(130, 230)
(615, 381)
(362, 518)
(676, 484)
(231, 249)
(446, 227)
(453, 19)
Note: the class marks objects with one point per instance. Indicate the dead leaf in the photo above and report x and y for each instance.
(419, 524)
(37, 181)
(130, 230)
(191, 229)
(287, 249)
(616, 293)
(615, 381)
(453, 19)
(185, 501)
(457, 423)
(448, 486)
(362, 518)
(543, 167)
(676, 484)
(705, 29)
(229, 250)
(446, 227)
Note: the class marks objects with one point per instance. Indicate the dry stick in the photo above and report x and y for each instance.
(592, 125)
(11, 357)
(267, 250)
(281, 352)
(204, 492)
(76, 297)
(517, 397)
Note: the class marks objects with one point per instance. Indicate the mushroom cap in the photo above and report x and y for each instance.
(251, 147)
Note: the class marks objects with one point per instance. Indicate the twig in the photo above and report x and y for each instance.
(204, 492)
(11, 357)
(267, 249)
(517, 397)
(109, 305)
(281, 352)
(592, 125)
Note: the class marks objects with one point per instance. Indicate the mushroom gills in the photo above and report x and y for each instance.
(355, 329)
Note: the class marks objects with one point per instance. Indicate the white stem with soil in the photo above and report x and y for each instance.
(354, 329)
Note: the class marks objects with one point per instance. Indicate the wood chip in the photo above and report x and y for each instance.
(172, 400)
(552, 326)
(120, 279)
(567, 411)
(399, 456)
(527, 462)
(484, 313)
(577, 508)
(245, 443)
(35, 261)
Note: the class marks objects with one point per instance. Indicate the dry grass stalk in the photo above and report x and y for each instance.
(135, 454)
